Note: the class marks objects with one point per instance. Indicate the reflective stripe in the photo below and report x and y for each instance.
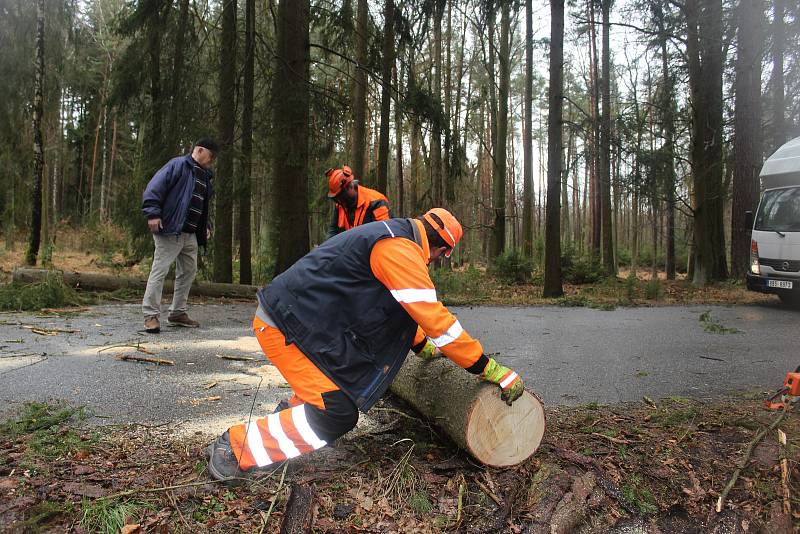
(387, 227)
(256, 446)
(507, 381)
(300, 421)
(448, 337)
(285, 444)
(414, 295)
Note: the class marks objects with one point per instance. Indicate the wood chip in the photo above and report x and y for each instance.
(210, 385)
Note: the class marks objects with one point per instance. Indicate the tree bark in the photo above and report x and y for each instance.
(358, 155)
(298, 516)
(290, 133)
(38, 144)
(245, 187)
(398, 132)
(704, 48)
(778, 89)
(500, 149)
(552, 267)
(223, 221)
(747, 131)
(386, 96)
(471, 412)
(527, 141)
(176, 109)
(605, 147)
(437, 177)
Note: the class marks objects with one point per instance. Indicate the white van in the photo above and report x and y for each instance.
(775, 244)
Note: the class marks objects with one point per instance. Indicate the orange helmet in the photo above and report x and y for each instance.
(447, 226)
(338, 180)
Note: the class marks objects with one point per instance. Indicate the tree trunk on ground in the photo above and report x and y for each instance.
(527, 141)
(747, 131)
(290, 134)
(107, 282)
(357, 157)
(605, 148)
(386, 97)
(38, 143)
(245, 187)
(778, 96)
(471, 412)
(500, 150)
(552, 254)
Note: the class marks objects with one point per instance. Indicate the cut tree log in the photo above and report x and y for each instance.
(298, 517)
(106, 282)
(471, 412)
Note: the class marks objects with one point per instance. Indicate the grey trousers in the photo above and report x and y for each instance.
(181, 249)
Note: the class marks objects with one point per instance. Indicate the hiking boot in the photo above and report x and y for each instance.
(152, 325)
(182, 319)
(282, 405)
(222, 464)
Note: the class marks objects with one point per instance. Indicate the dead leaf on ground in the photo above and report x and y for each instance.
(131, 529)
(86, 490)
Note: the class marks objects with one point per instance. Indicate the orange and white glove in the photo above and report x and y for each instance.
(428, 351)
(510, 382)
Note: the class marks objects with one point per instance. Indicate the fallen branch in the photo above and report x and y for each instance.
(618, 441)
(489, 493)
(142, 359)
(274, 498)
(743, 463)
(137, 346)
(48, 331)
(236, 358)
(787, 506)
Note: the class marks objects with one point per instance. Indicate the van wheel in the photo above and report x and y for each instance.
(791, 300)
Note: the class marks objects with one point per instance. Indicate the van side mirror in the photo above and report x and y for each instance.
(748, 220)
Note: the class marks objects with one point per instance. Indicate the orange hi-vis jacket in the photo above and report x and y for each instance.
(371, 206)
(356, 304)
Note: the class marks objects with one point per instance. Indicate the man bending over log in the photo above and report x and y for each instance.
(338, 325)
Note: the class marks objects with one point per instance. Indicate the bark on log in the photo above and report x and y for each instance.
(105, 282)
(471, 412)
(298, 518)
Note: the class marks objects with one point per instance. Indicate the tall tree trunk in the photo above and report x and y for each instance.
(500, 152)
(245, 187)
(704, 49)
(290, 133)
(155, 140)
(527, 141)
(594, 142)
(437, 177)
(176, 108)
(398, 132)
(555, 103)
(386, 96)
(38, 144)
(223, 221)
(358, 156)
(778, 96)
(747, 131)
(668, 131)
(605, 148)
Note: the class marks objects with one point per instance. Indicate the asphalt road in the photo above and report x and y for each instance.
(566, 355)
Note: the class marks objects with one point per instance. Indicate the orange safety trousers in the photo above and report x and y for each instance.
(318, 412)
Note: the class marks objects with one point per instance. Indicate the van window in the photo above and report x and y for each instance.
(779, 210)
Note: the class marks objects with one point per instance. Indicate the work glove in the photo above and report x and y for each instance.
(428, 351)
(510, 383)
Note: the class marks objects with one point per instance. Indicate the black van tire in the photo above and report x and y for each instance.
(791, 300)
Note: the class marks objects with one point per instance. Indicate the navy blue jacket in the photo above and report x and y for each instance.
(169, 193)
(332, 307)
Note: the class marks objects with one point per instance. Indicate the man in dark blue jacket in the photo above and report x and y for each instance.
(176, 203)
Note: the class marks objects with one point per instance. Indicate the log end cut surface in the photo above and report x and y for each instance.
(499, 435)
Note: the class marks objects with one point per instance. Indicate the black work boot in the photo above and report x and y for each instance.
(282, 405)
(222, 464)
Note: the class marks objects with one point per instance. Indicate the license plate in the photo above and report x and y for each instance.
(782, 284)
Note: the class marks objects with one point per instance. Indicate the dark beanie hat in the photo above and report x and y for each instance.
(208, 143)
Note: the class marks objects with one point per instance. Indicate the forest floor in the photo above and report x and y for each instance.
(465, 285)
(652, 467)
